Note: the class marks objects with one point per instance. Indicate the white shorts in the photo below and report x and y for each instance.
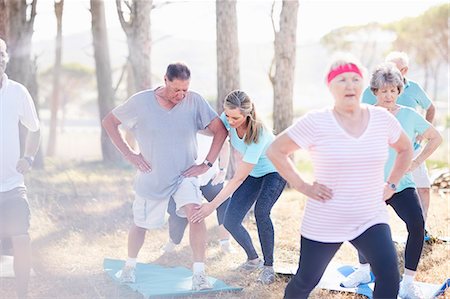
(149, 214)
(420, 174)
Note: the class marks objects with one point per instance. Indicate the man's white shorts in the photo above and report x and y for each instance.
(420, 174)
(149, 213)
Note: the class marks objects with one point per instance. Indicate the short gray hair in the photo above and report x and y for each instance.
(384, 75)
(398, 58)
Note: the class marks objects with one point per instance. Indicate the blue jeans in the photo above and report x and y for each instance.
(376, 244)
(177, 225)
(265, 191)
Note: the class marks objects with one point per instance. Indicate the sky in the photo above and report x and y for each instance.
(195, 19)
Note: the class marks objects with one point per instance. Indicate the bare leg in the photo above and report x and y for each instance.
(136, 237)
(22, 263)
(424, 195)
(197, 235)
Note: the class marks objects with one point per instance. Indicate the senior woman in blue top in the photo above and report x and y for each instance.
(387, 84)
(255, 180)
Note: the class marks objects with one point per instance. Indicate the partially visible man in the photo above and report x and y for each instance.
(165, 122)
(16, 105)
(413, 96)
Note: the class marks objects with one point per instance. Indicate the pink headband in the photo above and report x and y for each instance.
(346, 68)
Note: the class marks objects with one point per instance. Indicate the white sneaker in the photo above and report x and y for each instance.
(127, 275)
(169, 247)
(267, 275)
(227, 247)
(410, 291)
(200, 282)
(359, 276)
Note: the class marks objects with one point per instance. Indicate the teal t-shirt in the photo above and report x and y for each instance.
(412, 96)
(413, 124)
(254, 153)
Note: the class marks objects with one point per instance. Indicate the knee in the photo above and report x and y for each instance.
(416, 225)
(261, 214)
(229, 224)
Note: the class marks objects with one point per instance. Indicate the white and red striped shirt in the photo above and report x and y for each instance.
(351, 167)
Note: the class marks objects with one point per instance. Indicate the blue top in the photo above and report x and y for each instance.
(412, 96)
(413, 124)
(253, 153)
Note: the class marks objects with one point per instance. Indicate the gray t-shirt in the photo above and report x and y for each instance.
(166, 138)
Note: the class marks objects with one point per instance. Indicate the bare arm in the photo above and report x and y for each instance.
(242, 172)
(434, 140)
(111, 125)
(404, 151)
(429, 115)
(219, 132)
(278, 153)
(31, 147)
(224, 159)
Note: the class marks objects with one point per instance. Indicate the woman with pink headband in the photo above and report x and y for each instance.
(349, 145)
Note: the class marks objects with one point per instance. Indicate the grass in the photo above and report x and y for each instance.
(82, 212)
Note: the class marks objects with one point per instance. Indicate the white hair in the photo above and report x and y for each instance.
(398, 58)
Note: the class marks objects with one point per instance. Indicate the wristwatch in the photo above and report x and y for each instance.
(29, 159)
(392, 186)
(207, 163)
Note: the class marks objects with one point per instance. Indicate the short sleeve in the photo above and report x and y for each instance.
(205, 114)
(225, 122)
(368, 97)
(394, 128)
(420, 123)
(127, 112)
(302, 132)
(28, 115)
(421, 97)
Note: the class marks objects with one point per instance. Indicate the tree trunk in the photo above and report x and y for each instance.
(3, 20)
(103, 73)
(285, 57)
(21, 15)
(228, 77)
(137, 30)
(52, 138)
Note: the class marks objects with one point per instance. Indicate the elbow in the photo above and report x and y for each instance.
(271, 153)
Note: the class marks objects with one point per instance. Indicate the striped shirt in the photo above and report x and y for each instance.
(351, 167)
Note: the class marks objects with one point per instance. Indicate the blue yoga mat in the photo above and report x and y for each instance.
(335, 273)
(159, 281)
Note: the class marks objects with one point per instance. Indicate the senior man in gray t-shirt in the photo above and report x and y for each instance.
(165, 121)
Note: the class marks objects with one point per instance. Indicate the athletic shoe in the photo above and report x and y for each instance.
(127, 275)
(200, 282)
(410, 291)
(250, 266)
(359, 276)
(267, 275)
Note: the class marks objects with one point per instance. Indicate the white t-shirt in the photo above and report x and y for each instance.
(16, 106)
(351, 167)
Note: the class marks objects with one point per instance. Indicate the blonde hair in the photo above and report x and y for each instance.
(238, 99)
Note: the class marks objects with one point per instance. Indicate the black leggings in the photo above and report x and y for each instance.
(376, 244)
(406, 204)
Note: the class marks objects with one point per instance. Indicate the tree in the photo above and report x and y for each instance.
(227, 48)
(135, 22)
(282, 69)
(103, 73)
(51, 145)
(20, 15)
(3, 20)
